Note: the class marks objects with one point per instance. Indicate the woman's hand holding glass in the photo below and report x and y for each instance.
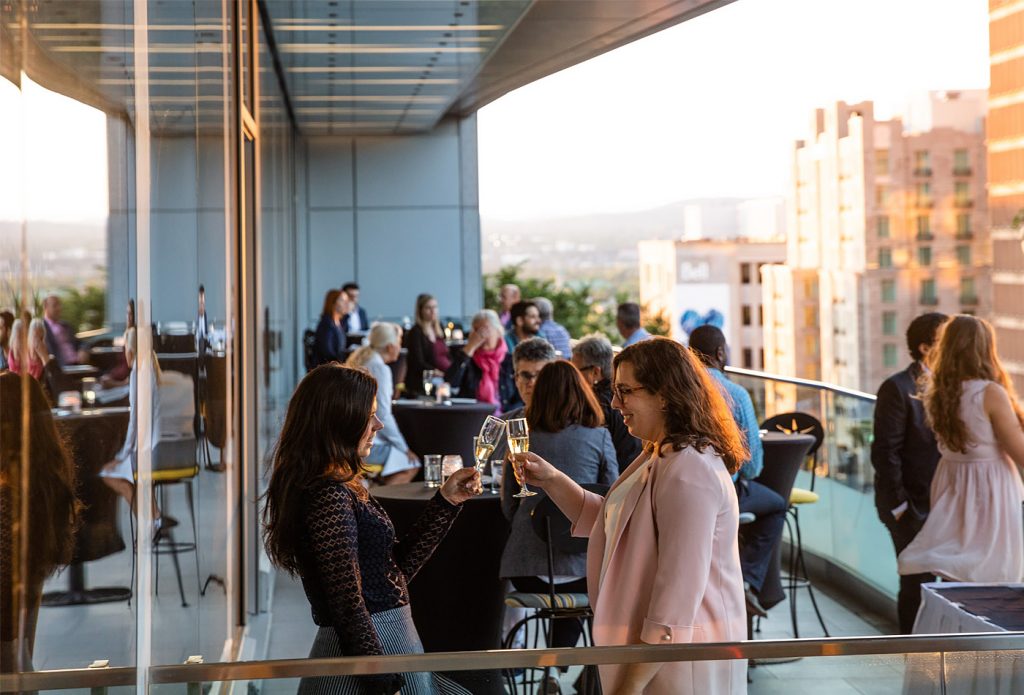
(461, 485)
(534, 470)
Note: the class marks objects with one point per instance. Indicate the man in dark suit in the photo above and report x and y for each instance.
(61, 341)
(354, 321)
(904, 455)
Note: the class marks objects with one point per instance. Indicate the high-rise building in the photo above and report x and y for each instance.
(710, 281)
(1006, 179)
(886, 221)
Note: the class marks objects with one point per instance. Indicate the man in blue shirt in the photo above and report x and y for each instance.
(758, 538)
(627, 320)
(551, 330)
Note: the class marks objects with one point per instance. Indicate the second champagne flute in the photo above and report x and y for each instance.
(519, 443)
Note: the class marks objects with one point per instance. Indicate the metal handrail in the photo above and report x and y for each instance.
(519, 658)
(820, 385)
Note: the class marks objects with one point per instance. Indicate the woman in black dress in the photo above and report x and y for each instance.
(321, 525)
(425, 344)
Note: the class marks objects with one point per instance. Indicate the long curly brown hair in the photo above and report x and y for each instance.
(696, 413)
(965, 349)
(326, 418)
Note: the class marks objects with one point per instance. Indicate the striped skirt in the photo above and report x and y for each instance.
(397, 635)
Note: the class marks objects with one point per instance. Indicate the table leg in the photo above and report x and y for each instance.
(78, 595)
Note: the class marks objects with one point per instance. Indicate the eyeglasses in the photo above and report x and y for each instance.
(526, 376)
(624, 392)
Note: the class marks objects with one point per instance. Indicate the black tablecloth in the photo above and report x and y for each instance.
(1000, 605)
(441, 429)
(94, 436)
(457, 598)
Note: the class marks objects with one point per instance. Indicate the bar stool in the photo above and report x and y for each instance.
(791, 424)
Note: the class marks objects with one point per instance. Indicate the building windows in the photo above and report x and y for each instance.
(963, 255)
(883, 227)
(881, 196)
(748, 317)
(745, 273)
(761, 357)
(968, 295)
(881, 162)
(811, 316)
(888, 323)
(924, 227)
(962, 194)
(890, 356)
(757, 274)
(924, 195)
(922, 163)
(924, 255)
(928, 295)
(884, 258)
(961, 163)
(811, 288)
(811, 346)
(748, 358)
(889, 291)
(760, 314)
(963, 226)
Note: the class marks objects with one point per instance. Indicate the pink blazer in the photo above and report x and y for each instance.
(674, 572)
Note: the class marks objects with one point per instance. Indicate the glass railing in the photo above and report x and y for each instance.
(990, 662)
(842, 527)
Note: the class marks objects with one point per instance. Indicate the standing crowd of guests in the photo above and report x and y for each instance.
(948, 449)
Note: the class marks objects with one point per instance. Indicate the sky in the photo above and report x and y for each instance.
(65, 178)
(711, 107)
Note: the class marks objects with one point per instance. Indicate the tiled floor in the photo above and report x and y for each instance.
(292, 634)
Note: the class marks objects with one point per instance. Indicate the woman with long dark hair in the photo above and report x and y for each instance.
(663, 561)
(321, 525)
(566, 429)
(973, 531)
(330, 341)
(47, 488)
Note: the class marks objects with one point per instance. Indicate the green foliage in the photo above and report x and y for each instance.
(581, 307)
(13, 292)
(84, 309)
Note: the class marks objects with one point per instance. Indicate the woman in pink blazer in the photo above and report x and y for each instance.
(663, 561)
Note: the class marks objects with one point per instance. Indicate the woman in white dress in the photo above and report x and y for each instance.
(974, 532)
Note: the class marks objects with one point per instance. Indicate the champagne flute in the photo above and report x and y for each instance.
(519, 443)
(483, 444)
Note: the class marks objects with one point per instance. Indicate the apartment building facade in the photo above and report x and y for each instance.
(887, 220)
(1006, 179)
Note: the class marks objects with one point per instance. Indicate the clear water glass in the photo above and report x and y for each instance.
(432, 470)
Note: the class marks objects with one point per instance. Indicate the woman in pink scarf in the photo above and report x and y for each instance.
(486, 346)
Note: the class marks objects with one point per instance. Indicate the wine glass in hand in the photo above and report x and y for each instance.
(485, 443)
(519, 443)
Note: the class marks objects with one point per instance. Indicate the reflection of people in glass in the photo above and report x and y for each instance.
(6, 324)
(320, 524)
(61, 341)
(202, 328)
(122, 372)
(52, 515)
(330, 336)
(28, 347)
(119, 474)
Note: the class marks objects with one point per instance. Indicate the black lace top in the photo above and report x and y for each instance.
(352, 565)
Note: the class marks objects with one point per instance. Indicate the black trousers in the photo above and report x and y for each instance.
(909, 598)
(565, 632)
(759, 537)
